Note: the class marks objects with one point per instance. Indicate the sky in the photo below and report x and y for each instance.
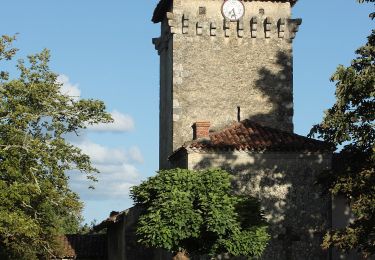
(103, 50)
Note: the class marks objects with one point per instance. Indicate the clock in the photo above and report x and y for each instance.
(233, 10)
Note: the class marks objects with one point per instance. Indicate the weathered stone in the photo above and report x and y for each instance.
(222, 71)
(285, 184)
(212, 66)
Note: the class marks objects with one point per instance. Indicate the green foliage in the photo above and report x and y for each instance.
(6, 52)
(195, 211)
(36, 204)
(350, 123)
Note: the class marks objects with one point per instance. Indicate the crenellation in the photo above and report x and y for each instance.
(171, 22)
(226, 28)
(185, 24)
(240, 28)
(213, 29)
(161, 43)
(253, 27)
(281, 28)
(293, 26)
(267, 27)
(156, 42)
(199, 28)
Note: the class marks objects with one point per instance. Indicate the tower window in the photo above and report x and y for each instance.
(238, 114)
(202, 10)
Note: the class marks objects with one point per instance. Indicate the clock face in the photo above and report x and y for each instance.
(233, 10)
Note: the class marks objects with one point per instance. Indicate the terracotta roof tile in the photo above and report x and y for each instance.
(248, 135)
(165, 5)
(84, 246)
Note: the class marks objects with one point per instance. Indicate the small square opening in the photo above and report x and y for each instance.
(202, 10)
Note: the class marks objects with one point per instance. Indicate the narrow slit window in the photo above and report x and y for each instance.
(238, 114)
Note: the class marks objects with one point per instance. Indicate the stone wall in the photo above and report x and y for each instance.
(218, 71)
(122, 240)
(164, 45)
(285, 184)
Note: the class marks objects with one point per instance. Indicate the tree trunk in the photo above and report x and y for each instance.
(181, 256)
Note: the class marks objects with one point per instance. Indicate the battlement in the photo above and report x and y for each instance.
(254, 27)
(165, 6)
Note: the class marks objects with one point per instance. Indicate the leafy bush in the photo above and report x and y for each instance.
(197, 212)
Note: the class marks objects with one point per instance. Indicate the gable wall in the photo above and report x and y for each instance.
(285, 184)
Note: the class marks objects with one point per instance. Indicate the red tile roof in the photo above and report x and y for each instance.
(250, 136)
(84, 246)
(165, 5)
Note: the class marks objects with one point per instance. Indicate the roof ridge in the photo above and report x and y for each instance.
(250, 135)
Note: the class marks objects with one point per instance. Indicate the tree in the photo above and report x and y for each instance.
(195, 212)
(350, 124)
(36, 203)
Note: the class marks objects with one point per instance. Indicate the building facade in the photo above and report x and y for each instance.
(226, 101)
(280, 169)
(217, 70)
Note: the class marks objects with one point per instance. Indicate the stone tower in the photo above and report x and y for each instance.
(221, 71)
(226, 101)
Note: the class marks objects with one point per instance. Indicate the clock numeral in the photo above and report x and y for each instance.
(232, 14)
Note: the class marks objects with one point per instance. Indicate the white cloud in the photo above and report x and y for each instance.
(117, 166)
(114, 182)
(135, 154)
(122, 123)
(68, 88)
(117, 172)
(102, 154)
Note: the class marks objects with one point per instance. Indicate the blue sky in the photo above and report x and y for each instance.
(103, 50)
